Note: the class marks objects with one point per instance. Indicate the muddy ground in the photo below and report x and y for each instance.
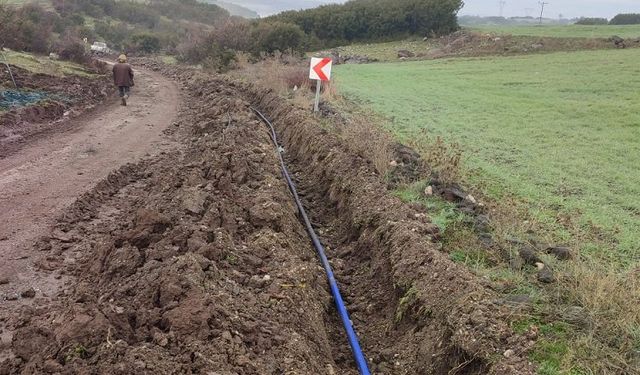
(67, 96)
(194, 261)
(49, 172)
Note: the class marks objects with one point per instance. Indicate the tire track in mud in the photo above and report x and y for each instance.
(195, 262)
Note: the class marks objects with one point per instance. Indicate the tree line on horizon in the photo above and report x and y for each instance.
(620, 19)
(373, 20)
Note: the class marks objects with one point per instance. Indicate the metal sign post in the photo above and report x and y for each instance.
(316, 107)
(320, 70)
(6, 62)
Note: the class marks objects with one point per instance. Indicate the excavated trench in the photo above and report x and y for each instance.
(196, 262)
(415, 310)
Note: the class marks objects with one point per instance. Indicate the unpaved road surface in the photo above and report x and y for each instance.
(42, 178)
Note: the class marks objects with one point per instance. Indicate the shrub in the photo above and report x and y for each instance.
(208, 53)
(626, 19)
(592, 21)
(114, 34)
(277, 36)
(220, 59)
(144, 42)
(29, 28)
(235, 33)
(73, 49)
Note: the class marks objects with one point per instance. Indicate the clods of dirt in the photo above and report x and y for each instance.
(416, 311)
(190, 262)
(560, 252)
(29, 293)
(195, 262)
(408, 166)
(545, 274)
(529, 255)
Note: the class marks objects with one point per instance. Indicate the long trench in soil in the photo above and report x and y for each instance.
(415, 310)
(196, 262)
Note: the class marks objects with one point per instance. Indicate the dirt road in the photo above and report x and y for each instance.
(49, 174)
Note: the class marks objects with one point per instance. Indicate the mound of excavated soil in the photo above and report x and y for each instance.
(195, 262)
(189, 263)
(69, 94)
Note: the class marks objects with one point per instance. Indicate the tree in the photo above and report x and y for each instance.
(374, 20)
(270, 37)
(144, 42)
(626, 19)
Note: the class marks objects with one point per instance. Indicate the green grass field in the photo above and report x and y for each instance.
(561, 130)
(556, 136)
(384, 52)
(567, 31)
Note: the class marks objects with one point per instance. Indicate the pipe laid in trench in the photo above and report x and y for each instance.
(352, 336)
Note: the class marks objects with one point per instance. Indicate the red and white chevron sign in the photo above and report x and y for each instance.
(320, 68)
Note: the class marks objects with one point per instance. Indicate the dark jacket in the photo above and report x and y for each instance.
(122, 75)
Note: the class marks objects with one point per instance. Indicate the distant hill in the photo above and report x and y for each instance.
(269, 7)
(234, 9)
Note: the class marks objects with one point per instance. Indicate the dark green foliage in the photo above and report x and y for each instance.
(144, 42)
(592, 21)
(277, 36)
(626, 19)
(374, 20)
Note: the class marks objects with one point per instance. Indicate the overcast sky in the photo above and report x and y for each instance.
(568, 8)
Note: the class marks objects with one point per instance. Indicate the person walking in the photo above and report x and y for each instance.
(123, 78)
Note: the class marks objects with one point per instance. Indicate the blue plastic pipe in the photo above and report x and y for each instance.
(358, 355)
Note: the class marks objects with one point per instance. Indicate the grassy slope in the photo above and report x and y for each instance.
(561, 130)
(387, 51)
(566, 31)
(43, 65)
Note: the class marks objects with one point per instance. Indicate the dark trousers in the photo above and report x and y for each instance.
(124, 90)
